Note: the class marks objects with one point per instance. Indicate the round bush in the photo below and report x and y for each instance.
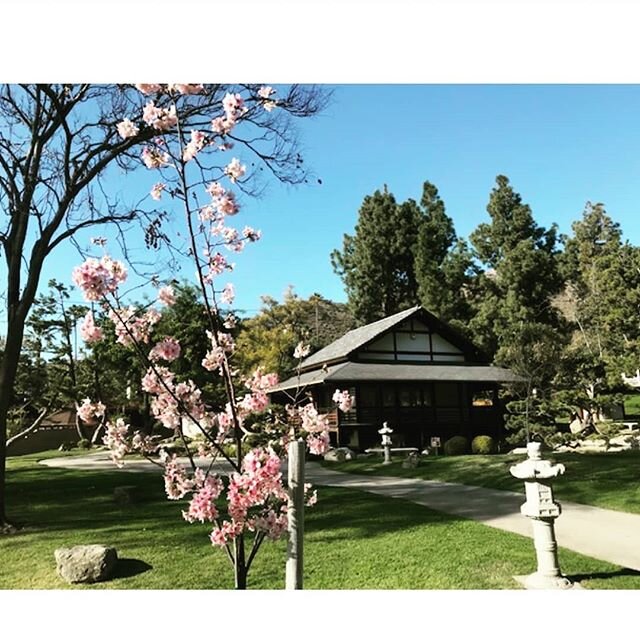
(483, 445)
(456, 446)
(83, 444)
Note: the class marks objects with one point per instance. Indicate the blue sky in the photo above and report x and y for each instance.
(560, 145)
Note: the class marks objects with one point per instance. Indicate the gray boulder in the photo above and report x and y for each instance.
(85, 563)
(339, 455)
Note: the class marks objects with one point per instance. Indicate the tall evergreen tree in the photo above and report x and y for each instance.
(443, 263)
(601, 300)
(521, 275)
(376, 264)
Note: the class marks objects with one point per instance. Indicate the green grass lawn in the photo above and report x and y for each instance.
(354, 540)
(608, 480)
(632, 405)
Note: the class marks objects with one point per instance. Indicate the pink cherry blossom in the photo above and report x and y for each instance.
(227, 204)
(202, 507)
(235, 170)
(218, 264)
(254, 402)
(143, 443)
(166, 295)
(343, 400)
(89, 411)
(318, 443)
(149, 88)
(215, 190)
(272, 523)
(97, 278)
(228, 294)
(213, 359)
(159, 118)
(260, 381)
(302, 350)
(158, 188)
(131, 326)
(233, 105)
(157, 379)
(176, 482)
(230, 321)
(168, 350)
(198, 140)
(265, 93)
(115, 439)
(127, 129)
(186, 89)
(89, 331)
(252, 235)
(154, 158)
(220, 536)
(222, 126)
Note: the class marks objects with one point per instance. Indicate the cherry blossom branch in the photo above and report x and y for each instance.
(213, 319)
(149, 363)
(257, 543)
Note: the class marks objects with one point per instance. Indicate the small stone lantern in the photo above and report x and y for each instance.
(540, 507)
(386, 432)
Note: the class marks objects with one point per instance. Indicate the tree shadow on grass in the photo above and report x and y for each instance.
(129, 567)
(605, 575)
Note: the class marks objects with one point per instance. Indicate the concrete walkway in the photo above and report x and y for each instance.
(612, 536)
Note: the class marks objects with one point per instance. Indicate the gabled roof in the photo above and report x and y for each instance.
(340, 349)
(354, 339)
(369, 372)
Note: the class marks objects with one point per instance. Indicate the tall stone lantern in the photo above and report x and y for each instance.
(386, 432)
(542, 510)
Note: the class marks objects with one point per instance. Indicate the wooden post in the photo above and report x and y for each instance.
(295, 515)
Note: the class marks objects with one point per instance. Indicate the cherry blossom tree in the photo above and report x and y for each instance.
(60, 143)
(247, 502)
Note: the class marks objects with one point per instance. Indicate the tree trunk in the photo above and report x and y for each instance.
(240, 564)
(30, 429)
(3, 468)
(82, 434)
(8, 369)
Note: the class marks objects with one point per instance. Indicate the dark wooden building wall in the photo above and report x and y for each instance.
(415, 411)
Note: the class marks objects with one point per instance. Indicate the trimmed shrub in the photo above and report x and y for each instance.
(83, 444)
(483, 445)
(456, 446)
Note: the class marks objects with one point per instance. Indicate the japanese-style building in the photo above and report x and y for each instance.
(411, 370)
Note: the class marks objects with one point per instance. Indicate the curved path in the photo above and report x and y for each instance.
(612, 536)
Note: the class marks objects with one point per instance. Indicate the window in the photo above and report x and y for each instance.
(409, 397)
(414, 396)
(482, 398)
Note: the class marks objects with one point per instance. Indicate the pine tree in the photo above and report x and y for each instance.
(521, 275)
(601, 300)
(443, 263)
(376, 264)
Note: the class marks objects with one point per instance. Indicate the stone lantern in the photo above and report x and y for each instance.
(386, 432)
(540, 507)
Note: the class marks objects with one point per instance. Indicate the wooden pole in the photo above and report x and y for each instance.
(295, 515)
